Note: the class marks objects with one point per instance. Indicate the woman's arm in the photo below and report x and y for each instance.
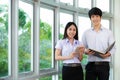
(58, 55)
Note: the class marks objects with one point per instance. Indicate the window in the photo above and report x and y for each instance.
(46, 38)
(46, 78)
(105, 23)
(103, 5)
(84, 24)
(24, 36)
(69, 2)
(4, 38)
(84, 4)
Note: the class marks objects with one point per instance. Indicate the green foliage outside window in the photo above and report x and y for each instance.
(3, 41)
(24, 38)
(3, 62)
(45, 45)
(46, 78)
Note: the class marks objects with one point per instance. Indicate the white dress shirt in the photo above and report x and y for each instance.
(99, 41)
(67, 48)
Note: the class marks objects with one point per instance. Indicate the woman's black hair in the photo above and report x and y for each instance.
(95, 11)
(67, 26)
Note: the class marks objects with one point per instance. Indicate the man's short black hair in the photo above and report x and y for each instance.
(95, 11)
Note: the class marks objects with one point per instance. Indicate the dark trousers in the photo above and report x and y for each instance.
(72, 73)
(97, 71)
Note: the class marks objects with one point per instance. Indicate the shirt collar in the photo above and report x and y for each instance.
(101, 28)
(75, 41)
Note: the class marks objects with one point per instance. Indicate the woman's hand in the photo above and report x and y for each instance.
(80, 49)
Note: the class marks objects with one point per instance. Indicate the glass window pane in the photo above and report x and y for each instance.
(64, 19)
(46, 38)
(84, 24)
(60, 76)
(103, 5)
(84, 4)
(25, 20)
(46, 78)
(105, 23)
(70, 2)
(3, 38)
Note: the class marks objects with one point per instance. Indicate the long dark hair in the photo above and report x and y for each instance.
(67, 26)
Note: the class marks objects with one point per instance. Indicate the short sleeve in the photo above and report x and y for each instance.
(59, 45)
(81, 43)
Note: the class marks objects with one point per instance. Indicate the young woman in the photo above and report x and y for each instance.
(70, 51)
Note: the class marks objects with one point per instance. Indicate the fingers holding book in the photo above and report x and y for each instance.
(89, 52)
(80, 49)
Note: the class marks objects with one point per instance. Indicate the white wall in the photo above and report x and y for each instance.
(116, 64)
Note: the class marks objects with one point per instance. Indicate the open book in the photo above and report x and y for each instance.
(97, 53)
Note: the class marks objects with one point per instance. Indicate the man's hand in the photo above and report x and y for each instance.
(105, 55)
(89, 52)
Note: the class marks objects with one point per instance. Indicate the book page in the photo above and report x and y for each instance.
(97, 53)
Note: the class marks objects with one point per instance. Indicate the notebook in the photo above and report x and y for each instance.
(97, 53)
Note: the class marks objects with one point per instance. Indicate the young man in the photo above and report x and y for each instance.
(98, 38)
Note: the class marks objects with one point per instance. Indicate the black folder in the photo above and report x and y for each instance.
(97, 53)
